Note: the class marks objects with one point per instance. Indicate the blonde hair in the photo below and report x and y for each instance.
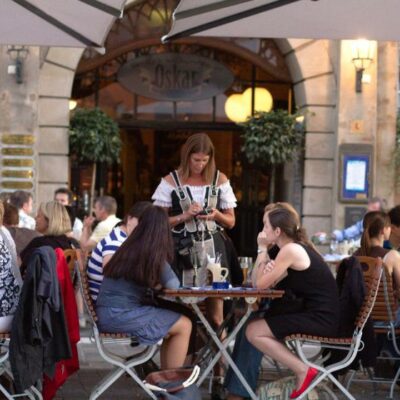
(58, 218)
(198, 143)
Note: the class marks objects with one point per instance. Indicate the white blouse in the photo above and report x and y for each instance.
(162, 195)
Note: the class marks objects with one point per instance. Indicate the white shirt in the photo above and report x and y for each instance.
(104, 228)
(26, 221)
(162, 195)
(77, 229)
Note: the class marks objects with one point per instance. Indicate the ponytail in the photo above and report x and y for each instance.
(373, 223)
(301, 237)
(289, 223)
(365, 244)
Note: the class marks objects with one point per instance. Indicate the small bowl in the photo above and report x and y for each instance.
(220, 285)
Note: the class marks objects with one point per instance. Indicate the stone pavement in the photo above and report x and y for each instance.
(79, 386)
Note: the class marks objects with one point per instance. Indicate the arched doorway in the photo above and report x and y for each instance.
(124, 38)
(153, 129)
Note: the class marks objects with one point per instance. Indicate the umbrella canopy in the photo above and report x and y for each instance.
(65, 23)
(307, 19)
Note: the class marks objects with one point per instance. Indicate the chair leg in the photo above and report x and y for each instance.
(393, 385)
(340, 386)
(370, 373)
(349, 380)
(121, 368)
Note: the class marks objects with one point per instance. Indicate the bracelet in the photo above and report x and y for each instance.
(259, 251)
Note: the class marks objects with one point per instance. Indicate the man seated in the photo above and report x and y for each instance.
(24, 203)
(105, 208)
(355, 231)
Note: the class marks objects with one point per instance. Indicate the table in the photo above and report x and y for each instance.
(193, 296)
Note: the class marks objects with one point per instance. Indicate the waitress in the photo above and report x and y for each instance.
(201, 204)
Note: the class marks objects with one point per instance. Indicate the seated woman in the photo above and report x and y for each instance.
(52, 220)
(377, 227)
(247, 357)
(138, 266)
(10, 282)
(314, 305)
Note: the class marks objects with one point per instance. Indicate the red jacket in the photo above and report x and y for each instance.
(66, 367)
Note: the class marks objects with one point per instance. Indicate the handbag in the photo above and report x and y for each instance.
(175, 384)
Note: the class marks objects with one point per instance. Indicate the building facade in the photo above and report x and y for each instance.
(315, 76)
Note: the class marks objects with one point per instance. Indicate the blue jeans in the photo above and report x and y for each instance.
(248, 360)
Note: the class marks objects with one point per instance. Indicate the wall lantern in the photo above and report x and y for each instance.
(362, 51)
(17, 54)
(238, 106)
(72, 104)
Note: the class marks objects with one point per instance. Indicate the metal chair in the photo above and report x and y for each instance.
(350, 346)
(71, 258)
(124, 364)
(384, 318)
(5, 371)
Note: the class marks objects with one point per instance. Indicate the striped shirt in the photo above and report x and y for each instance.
(107, 246)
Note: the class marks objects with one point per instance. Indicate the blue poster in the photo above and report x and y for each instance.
(355, 178)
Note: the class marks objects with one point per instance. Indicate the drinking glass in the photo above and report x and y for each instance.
(244, 265)
(333, 246)
(250, 267)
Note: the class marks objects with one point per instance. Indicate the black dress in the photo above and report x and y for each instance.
(311, 302)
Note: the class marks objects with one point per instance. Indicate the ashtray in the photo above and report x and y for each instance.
(220, 285)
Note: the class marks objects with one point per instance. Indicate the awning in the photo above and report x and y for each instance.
(65, 23)
(307, 19)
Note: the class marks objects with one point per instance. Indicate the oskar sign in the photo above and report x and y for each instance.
(174, 77)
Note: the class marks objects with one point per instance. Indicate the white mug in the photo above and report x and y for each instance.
(219, 273)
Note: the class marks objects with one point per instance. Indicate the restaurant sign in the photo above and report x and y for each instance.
(175, 77)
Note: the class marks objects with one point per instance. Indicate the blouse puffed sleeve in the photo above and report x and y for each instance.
(162, 195)
(227, 197)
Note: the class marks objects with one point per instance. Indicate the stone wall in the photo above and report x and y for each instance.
(57, 74)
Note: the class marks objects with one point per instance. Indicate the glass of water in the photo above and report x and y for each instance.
(333, 246)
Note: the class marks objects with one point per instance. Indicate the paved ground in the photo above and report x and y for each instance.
(79, 386)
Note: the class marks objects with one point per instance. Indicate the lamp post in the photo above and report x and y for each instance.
(17, 54)
(362, 58)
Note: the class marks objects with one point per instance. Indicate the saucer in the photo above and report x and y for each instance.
(220, 285)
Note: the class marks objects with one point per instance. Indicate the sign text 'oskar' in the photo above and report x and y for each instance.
(170, 76)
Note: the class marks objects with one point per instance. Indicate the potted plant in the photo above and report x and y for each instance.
(271, 138)
(94, 137)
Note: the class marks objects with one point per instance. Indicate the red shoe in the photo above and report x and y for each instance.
(311, 374)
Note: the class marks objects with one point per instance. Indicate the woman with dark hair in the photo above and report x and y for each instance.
(377, 229)
(140, 265)
(313, 306)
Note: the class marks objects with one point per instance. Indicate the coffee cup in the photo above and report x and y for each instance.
(219, 274)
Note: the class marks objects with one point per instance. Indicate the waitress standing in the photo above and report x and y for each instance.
(201, 203)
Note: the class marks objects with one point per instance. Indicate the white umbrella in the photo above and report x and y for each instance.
(65, 23)
(308, 19)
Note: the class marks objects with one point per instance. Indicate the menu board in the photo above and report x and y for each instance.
(355, 173)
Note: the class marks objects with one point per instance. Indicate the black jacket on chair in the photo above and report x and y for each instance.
(39, 336)
(350, 281)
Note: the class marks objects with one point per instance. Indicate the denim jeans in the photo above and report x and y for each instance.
(248, 360)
